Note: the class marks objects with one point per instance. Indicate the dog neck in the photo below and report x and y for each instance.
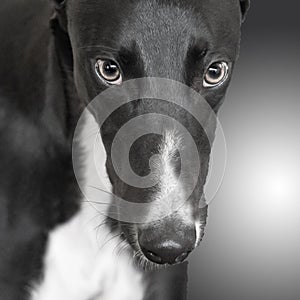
(85, 259)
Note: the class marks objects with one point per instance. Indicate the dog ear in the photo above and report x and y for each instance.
(59, 3)
(245, 4)
(60, 12)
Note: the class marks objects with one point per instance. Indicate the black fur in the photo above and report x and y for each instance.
(38, 112)
(40, 104)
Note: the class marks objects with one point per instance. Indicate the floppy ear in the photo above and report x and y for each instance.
(60, 13)
(245, 4)
(59, 3)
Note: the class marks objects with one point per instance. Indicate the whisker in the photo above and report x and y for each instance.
(100, 203)
(104, 211)
(107, 213)
(118, 245)
(123, 249)
(109, 240)
(101, 190)
(105, 222)
(104, 203)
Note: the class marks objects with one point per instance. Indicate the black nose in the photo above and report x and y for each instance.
(166, 251)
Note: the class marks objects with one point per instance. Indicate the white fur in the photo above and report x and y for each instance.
(83, 264)
(168, 180)
(86, 262)
(198, 232)
(167, 150)
(167, 177)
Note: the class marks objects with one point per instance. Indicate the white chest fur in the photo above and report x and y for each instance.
(83, 264)
(84, 261)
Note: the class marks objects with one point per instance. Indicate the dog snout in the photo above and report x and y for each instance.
(164, 247)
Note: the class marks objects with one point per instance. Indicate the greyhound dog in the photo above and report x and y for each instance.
(55, 57)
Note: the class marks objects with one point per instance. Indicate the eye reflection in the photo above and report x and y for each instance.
(108, 71)
(216, 74)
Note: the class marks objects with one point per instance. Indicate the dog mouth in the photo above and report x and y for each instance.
(130, 236)
(141, 261)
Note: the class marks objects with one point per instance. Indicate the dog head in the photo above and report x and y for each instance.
(194, 42)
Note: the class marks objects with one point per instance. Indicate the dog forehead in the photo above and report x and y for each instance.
(92, 20)
(160, 22)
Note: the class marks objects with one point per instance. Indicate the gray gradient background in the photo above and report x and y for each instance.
(252, 245)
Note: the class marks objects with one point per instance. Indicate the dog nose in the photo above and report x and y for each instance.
(166, 251)
(169, 254)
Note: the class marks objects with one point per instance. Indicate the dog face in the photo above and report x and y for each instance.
(194, 42)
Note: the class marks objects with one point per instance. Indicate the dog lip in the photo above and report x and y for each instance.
(154, 258)
(182, 257)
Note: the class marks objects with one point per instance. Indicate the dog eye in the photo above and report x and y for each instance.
(109, 71)
(216, 74)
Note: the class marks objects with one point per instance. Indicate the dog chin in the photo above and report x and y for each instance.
(144, 263)
(140, 261)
